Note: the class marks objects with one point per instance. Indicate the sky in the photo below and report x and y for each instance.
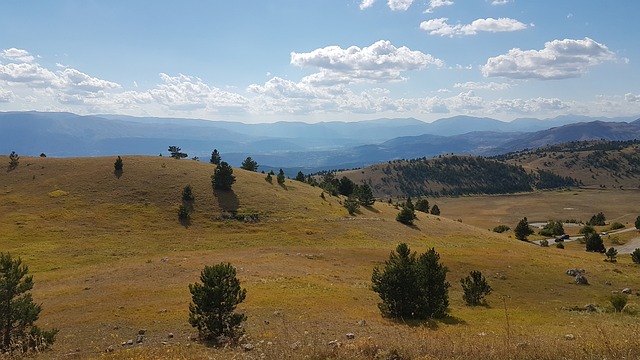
(257, 61)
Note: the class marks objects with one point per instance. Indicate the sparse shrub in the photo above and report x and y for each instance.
(117, 165)
(410, 286)
(635, 256)
(222, 178)
(18, 312)
(618, 301)
(616, 226)
(522, 230)
(544, 243)
(212, 310)
(560, 245)
(14, 160)
(184, 214)
(187, 194)
(501, 228)
(475, 288)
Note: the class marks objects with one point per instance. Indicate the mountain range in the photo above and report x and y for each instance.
(295, 145)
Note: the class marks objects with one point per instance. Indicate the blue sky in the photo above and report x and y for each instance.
(321, 60)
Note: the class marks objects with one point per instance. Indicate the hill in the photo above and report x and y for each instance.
(596, 163)
(109, 257)
(453, 175)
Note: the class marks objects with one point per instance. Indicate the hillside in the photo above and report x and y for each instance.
(599, 163)
(109, 257)
(453, 175)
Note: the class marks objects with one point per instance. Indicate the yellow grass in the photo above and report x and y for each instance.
(111, 257)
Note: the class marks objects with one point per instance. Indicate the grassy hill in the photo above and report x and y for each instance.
(109, 257)
(607, 164)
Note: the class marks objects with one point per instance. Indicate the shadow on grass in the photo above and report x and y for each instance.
(372, 209)
(283, 186)
(185, 222)
(227, 200)
(433, 323)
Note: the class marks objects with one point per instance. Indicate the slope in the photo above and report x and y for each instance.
(109, 257)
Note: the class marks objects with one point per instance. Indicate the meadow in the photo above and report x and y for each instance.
(109, 257)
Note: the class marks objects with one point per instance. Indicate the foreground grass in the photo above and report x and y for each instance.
(109, 258)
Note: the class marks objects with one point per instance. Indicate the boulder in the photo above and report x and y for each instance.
(581, 280)
(247, 347)
(626, 291)
(569, 337)
(350, 336)
(139, 339)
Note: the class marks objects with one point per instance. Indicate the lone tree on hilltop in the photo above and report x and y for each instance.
(176, 152)
(222, 178)
(214, 302)
(522, 230)
(18, 312)
(215, 157)
(475, 288)
(14, 160)
(249, 164)
(300, 176)
(117, 166)
(411, 286)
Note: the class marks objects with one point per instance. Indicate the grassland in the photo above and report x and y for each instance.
(109, 257)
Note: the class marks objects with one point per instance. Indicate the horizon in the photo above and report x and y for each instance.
(277, 61)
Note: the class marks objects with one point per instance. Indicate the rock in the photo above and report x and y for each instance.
(164, 259)
(142, 331)
(295, 346)
(335, 343)
(575, 272)
(581, 280)
(608, 283)
(569, 337)
(276, 313)
(110, 349)
(162, 311)
(350, 336)
(362, 322)
(590, 307)
(116, 327)
(124, 343)
(139, 339)
(130, 342)
(170, 335)
(247, 347)
(266, 322)
(164, 343)
(626, 291)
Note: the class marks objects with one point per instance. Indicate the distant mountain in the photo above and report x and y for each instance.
(292, 145)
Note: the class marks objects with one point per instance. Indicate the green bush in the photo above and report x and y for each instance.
(616, 226)
(475, 288)
(501, 228)
(187, 194)
(406, 216)
(560, 245)
(618, 302)
(635, 256)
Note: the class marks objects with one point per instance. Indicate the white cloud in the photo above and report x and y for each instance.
(500, 2)
(14, 54)
(399, 5)
(6, 96)
(28, 73)
(632, 98)
(529, 106)
(365, 4)
(441, 27)
(433, 4)
(379, 62)
(560, 59)
(76, 81)
(470, 85)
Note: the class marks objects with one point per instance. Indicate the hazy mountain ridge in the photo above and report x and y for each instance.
(294, 145)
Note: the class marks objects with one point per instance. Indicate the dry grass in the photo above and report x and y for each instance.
(110, 257)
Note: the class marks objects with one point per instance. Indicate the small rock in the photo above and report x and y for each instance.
(162, 311)
(124, 343)
(130, 342)
(266, 322)
(116, 327)
(142, 331)
(164, 343)
(247, 347)
(170, 335)
(276, 313)
(139, 339)
(350, 336)
(362, 322)
(569, 337)
(110, 349)
(626, 291)
(590, 307)
(295, 346)
(335, 343)
(164, 259)
(581, 280)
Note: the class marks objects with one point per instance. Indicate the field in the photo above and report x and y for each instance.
(109, 257)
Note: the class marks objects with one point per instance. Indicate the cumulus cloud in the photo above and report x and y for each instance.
(365, 4)
(433, 4)
(399, 5)
(560, 59)
(380, 62)
(14, 54)
(441, 27)
(6, 96)
(76, 81)
(471, 85)
(500, 2)
(529, 106)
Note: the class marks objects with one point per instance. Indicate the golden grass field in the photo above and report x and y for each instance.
(109, 257)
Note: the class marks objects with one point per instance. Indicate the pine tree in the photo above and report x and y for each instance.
(435, 210)
(635, 256)
(177, 153)
(593, 242)
(638, 223)
(215, 157)
(422, 205)
(406, 216)
(222, 178)
(475, 288)
(364, 194)
(300, 176)
(280, 177)
(522, 230)
(118, 164)
(249, 164)
(214, 301)
(14, 160)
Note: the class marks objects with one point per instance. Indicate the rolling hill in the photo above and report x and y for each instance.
(109, 257)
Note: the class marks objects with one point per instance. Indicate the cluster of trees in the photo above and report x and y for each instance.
(597, 220)
(552, 228)
(407, 212)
